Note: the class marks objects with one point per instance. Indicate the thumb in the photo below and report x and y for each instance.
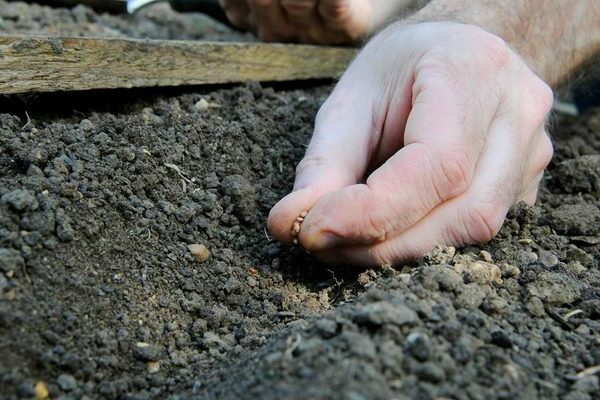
(337, 156)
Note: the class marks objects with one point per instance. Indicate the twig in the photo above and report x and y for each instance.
(563, 322)
(586, 372)
(338, 286)
(267, 234)
(572, 314)
(291, 346)
(179, 172)
(28, 121)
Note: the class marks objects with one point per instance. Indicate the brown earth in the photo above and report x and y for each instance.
(100, 296)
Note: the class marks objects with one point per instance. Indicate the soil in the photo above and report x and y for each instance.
(101, 195)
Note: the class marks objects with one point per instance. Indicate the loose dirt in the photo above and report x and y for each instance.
(135, 264)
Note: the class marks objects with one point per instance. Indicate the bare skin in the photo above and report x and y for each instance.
(436, 129)
(312, 21)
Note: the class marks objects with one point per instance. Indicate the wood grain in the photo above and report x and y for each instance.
(46, 64)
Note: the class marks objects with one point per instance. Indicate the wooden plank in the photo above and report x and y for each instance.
(46, 64)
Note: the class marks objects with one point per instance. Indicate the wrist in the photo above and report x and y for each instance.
(554, 39)
(493, 19)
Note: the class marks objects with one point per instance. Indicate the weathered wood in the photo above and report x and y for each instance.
(45, 64)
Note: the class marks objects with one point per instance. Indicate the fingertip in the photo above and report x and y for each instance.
(320, 241)
(283, 215)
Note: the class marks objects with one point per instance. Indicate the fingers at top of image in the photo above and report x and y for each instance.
(269, 21)
(237, 12)
(307, 24)
(354, 18)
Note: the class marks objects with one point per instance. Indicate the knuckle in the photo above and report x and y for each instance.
(543, 95)
(537, 103)
(374, 229)
(482, 222)
(298, 7)
(487, 53)
(453, 174)
(334, 9)
(309, 162)
(494, 51)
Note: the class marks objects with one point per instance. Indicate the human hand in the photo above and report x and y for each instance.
(430, 136)
(311, 21)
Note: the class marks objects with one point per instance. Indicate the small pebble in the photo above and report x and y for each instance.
(153, 367)
(201, 105)
(41, 391)
(199, 252)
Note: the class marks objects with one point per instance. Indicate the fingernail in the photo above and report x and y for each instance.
(323, 241)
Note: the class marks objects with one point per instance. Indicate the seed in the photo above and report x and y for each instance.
(297, 225)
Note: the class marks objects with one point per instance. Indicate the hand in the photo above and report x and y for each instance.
(433, 132)
(311, 21)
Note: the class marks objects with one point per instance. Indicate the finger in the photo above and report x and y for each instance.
(541, 155)
(237, 12)
(345, 135)
(529, 194)
(436, 164)
(302, 16)
(473, 217)
(354, 18)
(300, 12)
(270, 20)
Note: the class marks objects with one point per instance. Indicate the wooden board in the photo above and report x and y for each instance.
(46, 64)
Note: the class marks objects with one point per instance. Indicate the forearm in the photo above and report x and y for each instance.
(554, 37)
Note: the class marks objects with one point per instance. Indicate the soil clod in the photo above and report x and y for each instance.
(199, 252)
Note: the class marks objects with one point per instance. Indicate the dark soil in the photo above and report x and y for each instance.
(100, 296)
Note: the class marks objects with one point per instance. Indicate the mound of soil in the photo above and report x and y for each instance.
(101, 296)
